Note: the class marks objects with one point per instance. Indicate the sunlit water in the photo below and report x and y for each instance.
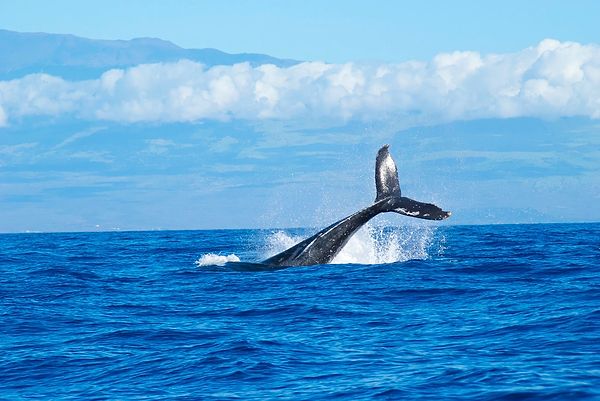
(466, 312)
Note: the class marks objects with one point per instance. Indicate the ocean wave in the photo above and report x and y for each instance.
(211, 259)
(481, 320)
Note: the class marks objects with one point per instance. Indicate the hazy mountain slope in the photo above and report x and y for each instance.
(74, 57)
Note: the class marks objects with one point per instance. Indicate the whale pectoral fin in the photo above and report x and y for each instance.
(420, 210)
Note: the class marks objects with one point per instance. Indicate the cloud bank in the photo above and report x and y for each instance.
(552, 79)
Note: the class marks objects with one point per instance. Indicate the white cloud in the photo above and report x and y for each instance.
(2, 117)
(548, 80)
(159, 146)
(16, 150)
(77, 136)
(97, 157)
(223, 144)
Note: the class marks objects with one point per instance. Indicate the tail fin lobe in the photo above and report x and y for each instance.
(420, 210)
(386, 175)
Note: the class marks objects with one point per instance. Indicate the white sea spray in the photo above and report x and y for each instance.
(211, 259)
(370, 245)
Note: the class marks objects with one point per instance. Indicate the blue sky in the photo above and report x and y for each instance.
(492, 111)
(334, 31)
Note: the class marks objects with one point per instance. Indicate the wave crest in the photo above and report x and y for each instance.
(211, 259)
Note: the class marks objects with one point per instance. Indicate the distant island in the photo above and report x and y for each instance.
(74, 58)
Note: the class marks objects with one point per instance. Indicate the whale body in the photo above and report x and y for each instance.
(322, 247)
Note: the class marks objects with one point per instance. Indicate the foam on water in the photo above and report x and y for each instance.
(211, 259)
(370, 245)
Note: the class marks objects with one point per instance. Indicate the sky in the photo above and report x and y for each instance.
(335, 31)
(491, 110)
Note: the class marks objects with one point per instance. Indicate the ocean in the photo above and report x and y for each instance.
(496, 312)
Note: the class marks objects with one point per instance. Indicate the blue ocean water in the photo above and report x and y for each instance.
(504, 312)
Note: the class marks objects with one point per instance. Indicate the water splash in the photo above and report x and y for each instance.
(211, 259)
(370, 245)
(278, 241)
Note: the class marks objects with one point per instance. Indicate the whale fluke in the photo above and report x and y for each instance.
(325, 245)
(388, 186)
(420, 210)
(386, 175)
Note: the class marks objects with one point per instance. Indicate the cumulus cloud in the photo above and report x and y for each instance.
(548, 80)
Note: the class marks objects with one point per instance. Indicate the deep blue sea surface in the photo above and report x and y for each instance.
(504, 312)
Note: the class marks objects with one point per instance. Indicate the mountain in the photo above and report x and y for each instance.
(73, 57)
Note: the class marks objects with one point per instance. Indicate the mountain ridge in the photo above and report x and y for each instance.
(74, 57)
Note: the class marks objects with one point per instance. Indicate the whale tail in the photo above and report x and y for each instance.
(324, 245)
(386, 175)
(389, 194)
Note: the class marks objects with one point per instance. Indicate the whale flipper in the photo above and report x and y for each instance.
(327, 243)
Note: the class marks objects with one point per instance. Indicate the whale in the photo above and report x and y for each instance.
(322, 247)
